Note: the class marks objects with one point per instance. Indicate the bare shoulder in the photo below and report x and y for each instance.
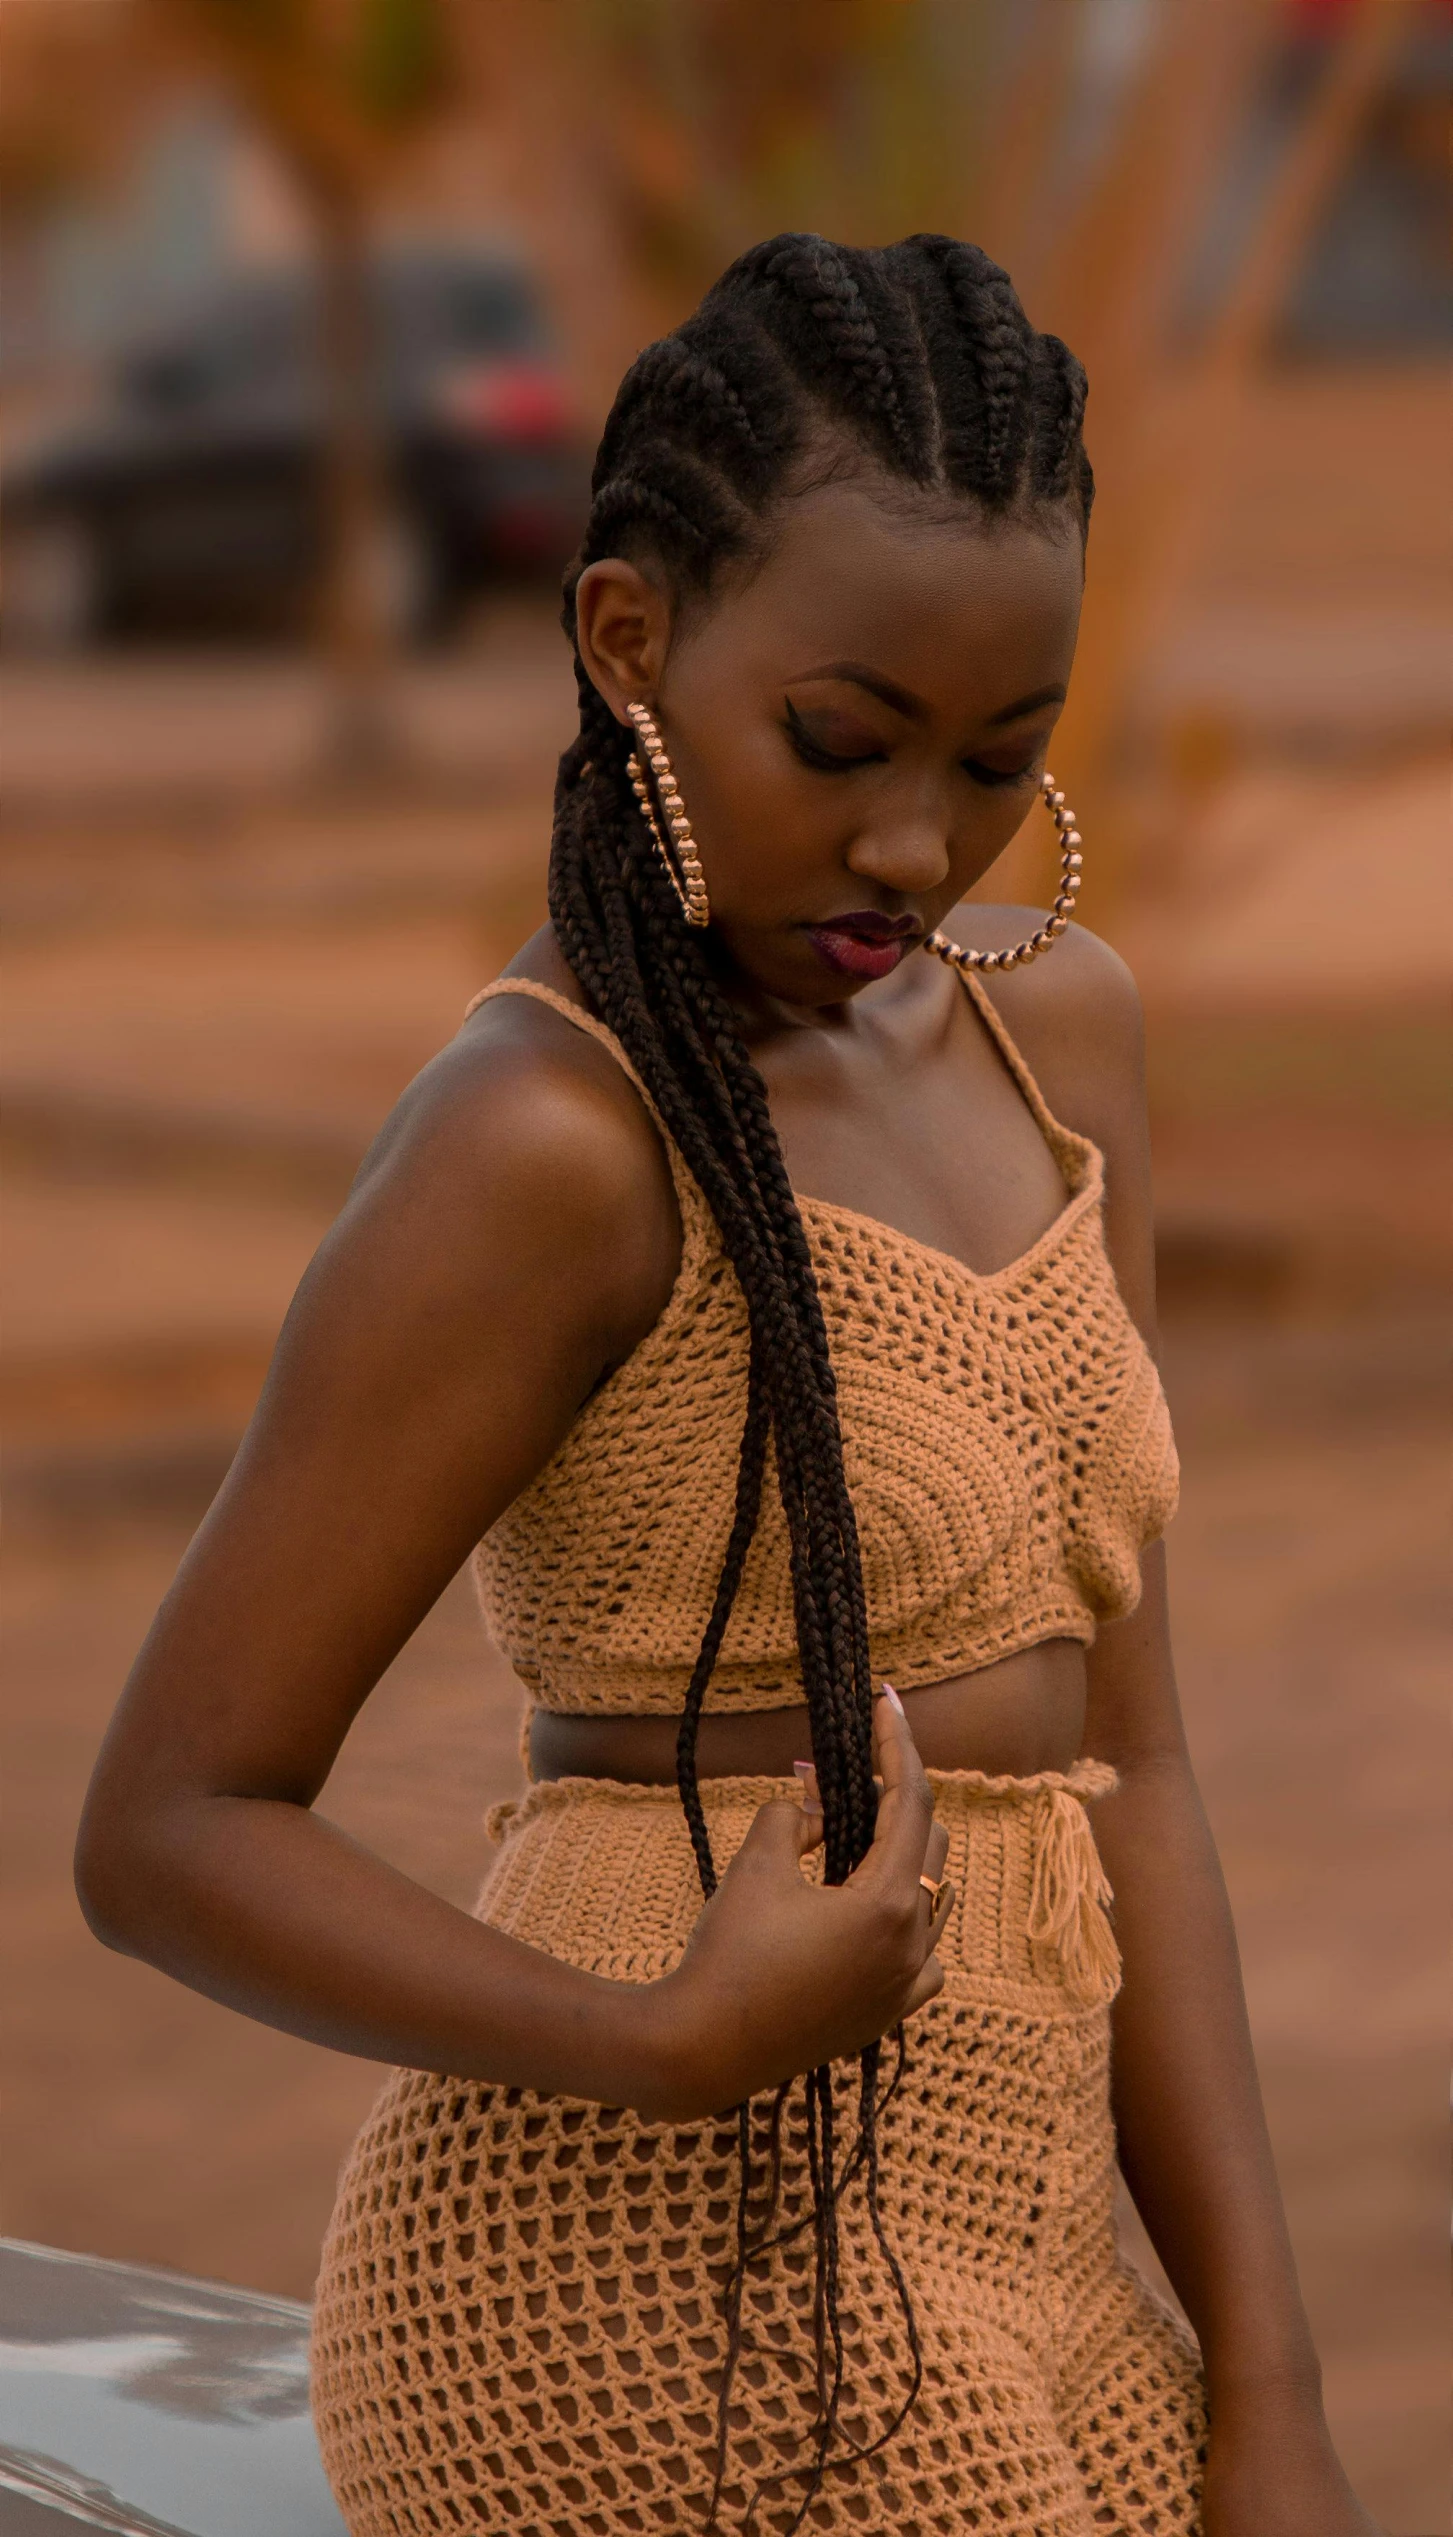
(525, 1132)
(1076, 1016)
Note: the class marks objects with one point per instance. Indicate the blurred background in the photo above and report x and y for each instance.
(309, 313)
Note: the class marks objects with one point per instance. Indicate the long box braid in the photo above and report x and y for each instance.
(919, 359)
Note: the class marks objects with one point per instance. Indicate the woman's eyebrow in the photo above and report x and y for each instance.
(901, 700)
(1029, 705)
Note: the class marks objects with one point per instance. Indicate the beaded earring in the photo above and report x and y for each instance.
(1021, 953)
(689, 881)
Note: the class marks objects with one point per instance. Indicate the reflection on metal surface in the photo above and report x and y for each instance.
(152, 2405)
(60, 2494)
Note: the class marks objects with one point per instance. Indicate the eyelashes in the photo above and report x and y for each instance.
(832, 761)
(812, 753)
(995, 778)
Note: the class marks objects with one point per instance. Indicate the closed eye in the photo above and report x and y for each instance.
(994, 776)
(837, 762)
(812, 753)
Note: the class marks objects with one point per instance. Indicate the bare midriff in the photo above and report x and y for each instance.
(1024, 1714)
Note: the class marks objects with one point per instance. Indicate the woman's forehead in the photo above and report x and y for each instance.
(935, 599)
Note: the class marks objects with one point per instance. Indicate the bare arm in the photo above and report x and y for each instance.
(1193, 2141)
(1192, 2134)
(511, 1236)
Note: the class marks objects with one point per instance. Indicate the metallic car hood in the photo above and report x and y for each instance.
(147, 2404)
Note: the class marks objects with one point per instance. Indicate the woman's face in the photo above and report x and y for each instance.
(857, 728)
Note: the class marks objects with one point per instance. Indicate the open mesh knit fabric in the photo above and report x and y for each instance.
(519, 2323)
(519, 2318)
(1005, 1437)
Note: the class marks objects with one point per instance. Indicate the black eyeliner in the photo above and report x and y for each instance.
(831, 762)
(813, 754)
(994, 778)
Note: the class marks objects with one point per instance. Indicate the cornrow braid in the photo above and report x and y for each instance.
(1061, 468)
(840, 340)
(981, 350)
(680, 380)
(917, 360)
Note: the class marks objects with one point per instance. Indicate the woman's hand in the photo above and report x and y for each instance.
(1272, 2471)
(780, 1975)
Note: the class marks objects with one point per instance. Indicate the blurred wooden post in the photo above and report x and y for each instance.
(1109, 290)
(1170, 486)
(1001, 212)
(1317, 159)
(539, 75)
(338, 89)
(358, 642)
(1109, 284)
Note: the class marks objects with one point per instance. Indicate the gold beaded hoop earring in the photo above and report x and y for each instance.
(1049, 932)
(689, 882)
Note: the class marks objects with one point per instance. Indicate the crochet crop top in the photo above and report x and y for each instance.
(1006, 1441)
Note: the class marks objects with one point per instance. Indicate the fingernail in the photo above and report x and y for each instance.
(890, 1694)
(802, 1769)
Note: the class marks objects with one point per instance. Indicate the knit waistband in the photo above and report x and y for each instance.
(1084, 1780)
(601, 1873)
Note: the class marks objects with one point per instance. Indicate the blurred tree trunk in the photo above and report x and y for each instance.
(1356, 70)
(358, 640)
(339, 89)
(1167, 472)
(544, 80)
(1005, 205)
(1107, 284)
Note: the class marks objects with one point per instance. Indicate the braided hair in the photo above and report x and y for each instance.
(917, 360)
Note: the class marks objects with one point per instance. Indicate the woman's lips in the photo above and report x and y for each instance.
(866, 951)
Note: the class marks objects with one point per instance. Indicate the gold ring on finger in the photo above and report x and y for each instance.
(933, 1889)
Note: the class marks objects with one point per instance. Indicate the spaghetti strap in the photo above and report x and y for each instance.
(1059, 1138)
(690, 1197)
(575, 1013)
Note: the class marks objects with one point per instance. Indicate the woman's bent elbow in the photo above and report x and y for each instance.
(109, 1878)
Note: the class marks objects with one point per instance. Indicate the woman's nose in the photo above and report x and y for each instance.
(908, 853)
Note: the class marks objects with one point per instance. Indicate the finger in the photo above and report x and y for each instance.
(936, 1851)
(811, 1806)
(781, 1832)
(940, 1912)
(905, 1809)
(927, 1986)
(930, 1875)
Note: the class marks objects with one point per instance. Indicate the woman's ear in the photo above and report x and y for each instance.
(623, 627)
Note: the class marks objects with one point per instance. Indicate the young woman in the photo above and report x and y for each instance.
(771, 1304)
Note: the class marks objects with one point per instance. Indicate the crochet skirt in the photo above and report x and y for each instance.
(519, 2320)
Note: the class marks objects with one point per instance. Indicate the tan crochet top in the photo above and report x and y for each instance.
(1006, 1440)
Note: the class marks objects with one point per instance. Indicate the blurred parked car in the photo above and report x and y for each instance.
(193, 490)
(147, 2404)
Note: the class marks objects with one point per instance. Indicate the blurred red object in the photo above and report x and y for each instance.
(522, 399)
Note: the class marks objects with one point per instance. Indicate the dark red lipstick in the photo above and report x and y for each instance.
(864, 944)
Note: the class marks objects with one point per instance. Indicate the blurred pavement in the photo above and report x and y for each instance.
(114, 734)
